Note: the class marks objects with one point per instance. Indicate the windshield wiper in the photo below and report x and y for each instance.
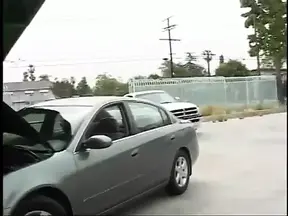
(165, 102)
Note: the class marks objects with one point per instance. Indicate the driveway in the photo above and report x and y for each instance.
(241, 170)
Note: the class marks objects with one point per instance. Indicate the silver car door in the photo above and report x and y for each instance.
(107, 177)
(156, 138)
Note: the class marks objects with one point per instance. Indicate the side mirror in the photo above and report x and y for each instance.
(177, 98)
(97, 142)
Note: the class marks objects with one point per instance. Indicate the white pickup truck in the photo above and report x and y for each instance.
(182, 110)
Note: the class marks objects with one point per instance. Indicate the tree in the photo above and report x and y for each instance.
(151, 76)
(25, 76)
(268, 18)
(139, 77)
(106, 85)
(44, 77)
(63, 88)
(188, 69)
(154, 76)
(73, 82)
(179, 70)
(266, 63)
(232, 68)
(83, 88)
(29, 75)
(194, 70)
(31, 72)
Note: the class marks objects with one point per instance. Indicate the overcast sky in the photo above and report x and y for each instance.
(121, 37)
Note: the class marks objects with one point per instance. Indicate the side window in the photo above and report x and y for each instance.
(35, 120)
(57, 125)
(147, 117)
(61, 129)
(110, 122)
(115, 112)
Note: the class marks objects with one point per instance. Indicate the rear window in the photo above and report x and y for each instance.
(35, 120)
(72, 114)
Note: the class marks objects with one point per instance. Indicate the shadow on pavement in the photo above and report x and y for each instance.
(193, 200)
(141, 203)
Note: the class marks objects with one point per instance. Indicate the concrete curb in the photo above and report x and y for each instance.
(242, 115)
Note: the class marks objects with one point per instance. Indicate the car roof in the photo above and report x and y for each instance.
(96, 101)
(144, 92)
(80, 101)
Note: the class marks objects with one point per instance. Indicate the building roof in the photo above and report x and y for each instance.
(26, 86)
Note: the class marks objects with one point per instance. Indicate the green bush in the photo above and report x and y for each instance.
(259, 107)
(223, 111)
(214, 110)
(206, 111)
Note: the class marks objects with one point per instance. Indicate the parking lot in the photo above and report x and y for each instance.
(241, 170)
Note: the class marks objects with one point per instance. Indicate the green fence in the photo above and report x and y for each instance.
(232, 91)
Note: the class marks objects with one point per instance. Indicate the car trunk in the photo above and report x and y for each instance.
(17, 15)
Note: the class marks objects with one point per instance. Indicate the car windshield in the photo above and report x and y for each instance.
(56, 125)
(157, 97)
(72, 114)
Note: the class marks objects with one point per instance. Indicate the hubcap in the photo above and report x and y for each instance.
(38, 213)
(181, 171)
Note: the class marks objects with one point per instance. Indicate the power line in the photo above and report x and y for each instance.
(102, 62)
(70, 19)
(105, 58)
(72, 59)
(169, 28)
(92, 62)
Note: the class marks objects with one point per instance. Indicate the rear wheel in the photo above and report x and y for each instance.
(39, 206)
(180, 174)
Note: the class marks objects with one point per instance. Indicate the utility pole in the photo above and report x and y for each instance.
(257, 47)
(208, 57)
(169, 28)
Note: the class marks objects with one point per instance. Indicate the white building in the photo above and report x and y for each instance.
(22, 94)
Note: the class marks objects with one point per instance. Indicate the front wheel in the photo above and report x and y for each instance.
(180, 174)
(39, 206)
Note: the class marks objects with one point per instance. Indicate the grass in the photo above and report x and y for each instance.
(222, 110)
(221, 113)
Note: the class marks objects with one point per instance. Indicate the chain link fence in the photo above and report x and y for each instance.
(229, 91)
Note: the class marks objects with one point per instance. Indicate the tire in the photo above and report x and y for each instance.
(39, 203)
(175, 187)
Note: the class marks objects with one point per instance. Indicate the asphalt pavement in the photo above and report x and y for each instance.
(241, 170)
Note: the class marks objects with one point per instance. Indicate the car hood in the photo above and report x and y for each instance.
(178, 105)
(17, 15)
(15, 124)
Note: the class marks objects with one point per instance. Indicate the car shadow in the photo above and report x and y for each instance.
(141, 203)
(193, 201)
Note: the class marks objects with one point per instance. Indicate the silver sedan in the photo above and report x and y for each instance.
(90, 155)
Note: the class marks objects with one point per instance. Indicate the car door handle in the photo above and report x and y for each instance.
(172, 137)
(134, 153)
